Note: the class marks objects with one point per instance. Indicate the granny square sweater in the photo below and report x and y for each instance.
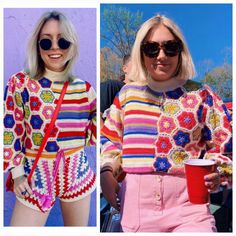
(148, 131)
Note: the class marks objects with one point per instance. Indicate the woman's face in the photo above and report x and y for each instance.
(55, 58)
(161, 67)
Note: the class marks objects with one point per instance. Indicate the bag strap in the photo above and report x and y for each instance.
(50, 127)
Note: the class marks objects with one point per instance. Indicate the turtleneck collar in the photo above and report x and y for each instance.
(165, 86)
(55, 76)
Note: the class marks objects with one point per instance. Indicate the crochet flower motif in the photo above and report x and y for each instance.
(45, 83)
(47, 96)
(28, 143)
(36, 121)
(33, 86)
(48, 112)
(226, 123)
(25, 95)
(17, 145)
(220, 136)
(18, 129)
(19, 79)
(17, 159)
(201, 113)
(28, 128)
(53, 132)
(27, 112)
(214, 120)
(162, 164)
(228, 115)
(181, 138)
(190, 101)
(228, 146)
(171, 108)
(18, 99)
(35, 103)
(8, 138)
(209, 100)
(51, 146)
(37, 138)
(175, 94)
(166, 124)
(163, 145)
(10, 103)
(9, 121)
(206, 134)
(8, 153)
(178, 157)
(186, 120)
(19, 114)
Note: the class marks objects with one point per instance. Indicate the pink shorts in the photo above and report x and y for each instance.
(159, 203)
(74, 180)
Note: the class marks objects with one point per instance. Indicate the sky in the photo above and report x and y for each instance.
(207, 28)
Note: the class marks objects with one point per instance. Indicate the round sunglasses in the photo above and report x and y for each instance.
(46, 44)
(171, 48)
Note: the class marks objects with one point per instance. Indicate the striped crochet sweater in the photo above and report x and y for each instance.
(149, 131)
(29, 105)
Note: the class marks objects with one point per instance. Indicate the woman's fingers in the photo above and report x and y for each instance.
(212, 181)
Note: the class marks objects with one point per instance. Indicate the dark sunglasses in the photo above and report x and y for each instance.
(171, 48)
(46, 44)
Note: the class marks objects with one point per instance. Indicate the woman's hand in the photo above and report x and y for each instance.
(21, 187)
(212, 181)
(110, 188)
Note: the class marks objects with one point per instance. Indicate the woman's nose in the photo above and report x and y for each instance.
(55, 44)
(161, 53)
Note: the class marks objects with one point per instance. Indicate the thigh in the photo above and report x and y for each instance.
(36, 218)
(76, 213)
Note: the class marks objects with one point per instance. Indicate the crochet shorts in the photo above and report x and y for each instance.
(74, 180)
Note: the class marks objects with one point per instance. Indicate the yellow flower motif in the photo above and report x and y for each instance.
(226, 169)
(171, 108)
(37, 138)
(179, 156)
(18, 99)
(214, 120)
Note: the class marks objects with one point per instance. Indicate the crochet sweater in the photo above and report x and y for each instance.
(148, 131)
(29, 105)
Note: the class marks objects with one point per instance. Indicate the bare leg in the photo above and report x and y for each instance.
(76, 213)
(24, 216)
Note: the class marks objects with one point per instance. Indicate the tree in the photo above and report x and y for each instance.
(118, 29)
(220, 79)
(110, 64)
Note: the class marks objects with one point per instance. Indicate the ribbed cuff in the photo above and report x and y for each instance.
(17, 171)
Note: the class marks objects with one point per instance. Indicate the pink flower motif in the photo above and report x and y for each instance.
(53, 132)
(33, 86)
(19, 79)
(166, 124)
(220, 136)
(190, 101)
(17, 159)
(19, 114)
(28, 143)
(187, 120)
(47, 112)
(163, 145)
(8, 153)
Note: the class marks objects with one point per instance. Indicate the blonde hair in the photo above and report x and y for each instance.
(185, 69)
(35, 65)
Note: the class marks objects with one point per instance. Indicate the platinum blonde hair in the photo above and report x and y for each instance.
(185, 69)
(34, 64)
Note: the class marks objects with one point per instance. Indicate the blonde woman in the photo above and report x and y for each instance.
(30, 101)
(154, 125)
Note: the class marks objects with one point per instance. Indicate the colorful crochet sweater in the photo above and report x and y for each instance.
(149, 131)
(29, 105)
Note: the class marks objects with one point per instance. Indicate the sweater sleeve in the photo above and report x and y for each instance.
(14, 127)
(217, 131)
(91, 134)
(112, 136)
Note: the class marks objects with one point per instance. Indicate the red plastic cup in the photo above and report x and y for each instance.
(195, 170)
